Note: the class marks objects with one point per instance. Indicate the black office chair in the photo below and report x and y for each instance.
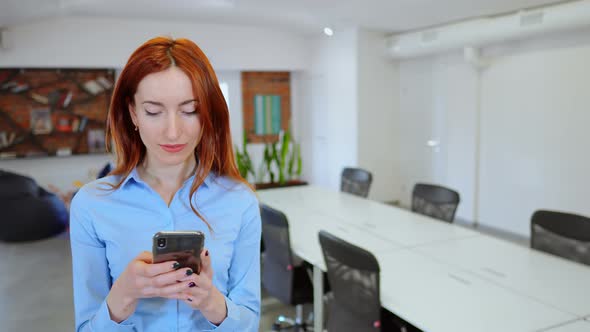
(356, 181)
(435, 201)
(563, 234)
(355, 303)
(284, 275)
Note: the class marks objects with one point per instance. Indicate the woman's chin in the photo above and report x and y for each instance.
(172, 159)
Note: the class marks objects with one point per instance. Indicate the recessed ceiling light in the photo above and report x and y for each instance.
(328, 32)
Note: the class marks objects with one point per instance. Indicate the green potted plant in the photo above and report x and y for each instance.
(284, 157)
(281, 160)
(243, 160)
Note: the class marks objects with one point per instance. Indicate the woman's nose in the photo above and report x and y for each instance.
(173, 127)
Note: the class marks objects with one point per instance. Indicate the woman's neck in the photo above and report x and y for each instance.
(166, 175)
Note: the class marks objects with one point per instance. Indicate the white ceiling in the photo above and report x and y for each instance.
(299, 15)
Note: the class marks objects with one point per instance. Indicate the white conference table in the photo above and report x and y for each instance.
(437, 276)
(543, 277)
(580, 325)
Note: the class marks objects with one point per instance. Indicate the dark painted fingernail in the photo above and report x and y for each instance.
(176, 266)
(189, 272)
(192, 284)
(189, 300)
(207, 253)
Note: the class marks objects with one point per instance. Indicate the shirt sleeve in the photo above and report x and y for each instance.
(91, 277)
(243, 298)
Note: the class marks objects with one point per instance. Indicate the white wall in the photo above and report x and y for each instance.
(535, 138)
(415, 125)
(378, 128)
(458, 107)
(533, 104)
(60, 172)
(438, 102)
(108, 42)
(329, 123)
(101, 42)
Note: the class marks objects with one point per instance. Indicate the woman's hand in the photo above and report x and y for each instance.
(142, 279)
(199, 292)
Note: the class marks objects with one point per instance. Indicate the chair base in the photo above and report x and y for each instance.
(287, 324)
(297, 324)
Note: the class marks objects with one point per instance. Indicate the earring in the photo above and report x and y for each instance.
(136, 128)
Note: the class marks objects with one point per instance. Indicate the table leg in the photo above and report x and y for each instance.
(318, 299)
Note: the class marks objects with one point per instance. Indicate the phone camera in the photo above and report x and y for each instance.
(161, 243)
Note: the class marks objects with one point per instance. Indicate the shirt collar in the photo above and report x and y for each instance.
(134, 175)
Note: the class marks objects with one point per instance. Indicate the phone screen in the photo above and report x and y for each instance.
(183, 247)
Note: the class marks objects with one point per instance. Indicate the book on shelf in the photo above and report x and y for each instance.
(105, 83)
(20, 88)
(9, 85)
(54, 97)
(75, 124)
(67, 99)
(7, 138)
(83, 124)
(7, 155)
(61, 152)
(11, 138)
(39, 98)
(3, 139)
(93, 87)
(64, 99)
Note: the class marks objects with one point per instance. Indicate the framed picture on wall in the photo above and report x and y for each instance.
(41, 121)
(96, 140)
(267, 114)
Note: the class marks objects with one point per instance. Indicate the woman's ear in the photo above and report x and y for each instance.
(133, 114)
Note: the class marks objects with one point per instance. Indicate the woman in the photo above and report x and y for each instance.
(175, 170)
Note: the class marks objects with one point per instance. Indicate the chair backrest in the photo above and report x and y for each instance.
(562, 234)
(356, 181)
(435, 201)
(277, 270)
(13, 186)
(353, 274)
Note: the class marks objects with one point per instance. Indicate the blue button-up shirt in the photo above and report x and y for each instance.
(110, 228)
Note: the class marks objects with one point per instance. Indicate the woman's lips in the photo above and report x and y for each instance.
(172, 147)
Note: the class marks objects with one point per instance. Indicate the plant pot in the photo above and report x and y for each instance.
(272, 185)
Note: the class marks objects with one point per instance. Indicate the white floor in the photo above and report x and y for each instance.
(36, 288)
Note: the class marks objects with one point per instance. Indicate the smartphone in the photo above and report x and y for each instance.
(183, 247)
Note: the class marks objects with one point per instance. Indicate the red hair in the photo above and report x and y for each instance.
(214, 151)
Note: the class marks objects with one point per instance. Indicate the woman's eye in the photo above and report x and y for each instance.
(190, 112)
(151, 112)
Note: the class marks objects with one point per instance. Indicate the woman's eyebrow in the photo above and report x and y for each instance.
(160, 104)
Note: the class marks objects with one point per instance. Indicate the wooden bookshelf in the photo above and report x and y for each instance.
(44, 111)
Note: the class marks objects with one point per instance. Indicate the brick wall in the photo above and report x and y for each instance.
(265, 83)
